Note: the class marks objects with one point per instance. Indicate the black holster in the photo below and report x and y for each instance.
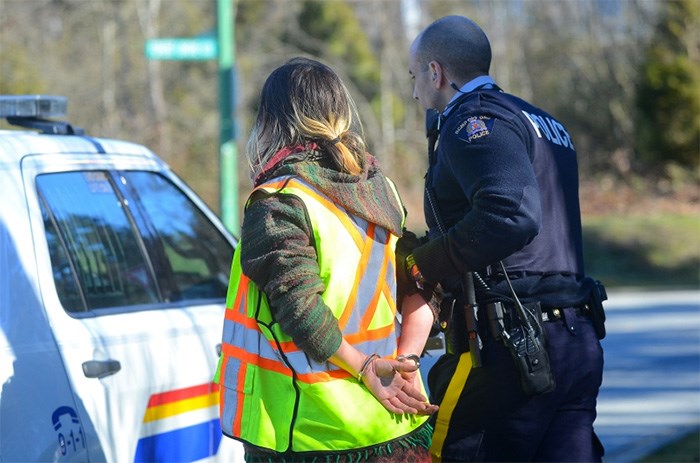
(596, 310)
(523, 335)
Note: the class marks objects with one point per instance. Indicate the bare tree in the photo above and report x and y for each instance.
(148, 16)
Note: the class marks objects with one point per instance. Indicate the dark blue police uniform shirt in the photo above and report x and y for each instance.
(504, 182)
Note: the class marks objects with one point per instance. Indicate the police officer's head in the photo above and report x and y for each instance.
(302, 102)
(451, 50)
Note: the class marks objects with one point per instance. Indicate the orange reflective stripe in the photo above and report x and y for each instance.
(369, 335)
(233, 315)
(370, 232)
(222, 396)
(244, 356)
(276, 185)
(323, 377)
(371, 307)
(242, 290)
(240, 396)
(361, 268)
(254, 359)
(389, 296)
(240, 399)
(381, 282)
(286, 346)
(389, 257)
(347, 310)
(272, 185)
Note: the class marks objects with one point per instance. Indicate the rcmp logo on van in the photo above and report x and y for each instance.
(473, 128)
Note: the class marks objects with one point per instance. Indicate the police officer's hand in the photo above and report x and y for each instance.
(406, 284)
(383, 378)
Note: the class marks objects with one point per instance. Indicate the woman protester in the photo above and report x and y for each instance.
(313, 366)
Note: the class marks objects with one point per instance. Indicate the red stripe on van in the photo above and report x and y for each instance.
(181, 394)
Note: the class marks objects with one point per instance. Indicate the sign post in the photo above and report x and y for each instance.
(227, 137)
(220, 48)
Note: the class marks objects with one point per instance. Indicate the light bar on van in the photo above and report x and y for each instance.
(33, 106)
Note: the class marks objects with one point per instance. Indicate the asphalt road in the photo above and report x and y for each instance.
(651, 381)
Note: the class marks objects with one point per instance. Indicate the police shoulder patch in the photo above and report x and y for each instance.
(474, 127)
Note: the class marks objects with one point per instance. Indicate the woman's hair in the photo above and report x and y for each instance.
(304, 101)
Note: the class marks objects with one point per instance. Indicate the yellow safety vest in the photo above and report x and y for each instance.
(273, 395)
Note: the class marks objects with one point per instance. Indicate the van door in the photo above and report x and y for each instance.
(134, 281)
(39, 418)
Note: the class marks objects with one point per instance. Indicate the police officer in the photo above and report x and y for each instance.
(501, 200)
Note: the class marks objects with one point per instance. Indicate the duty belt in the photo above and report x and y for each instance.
(550, 315)
(500, 315)
(547, 314)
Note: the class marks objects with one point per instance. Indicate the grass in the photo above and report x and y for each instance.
(686, 449)
(651, 251)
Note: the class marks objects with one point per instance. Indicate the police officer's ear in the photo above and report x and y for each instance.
(436, 71)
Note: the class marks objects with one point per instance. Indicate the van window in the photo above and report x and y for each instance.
(129, 239)
(198, 257)
(95, 249)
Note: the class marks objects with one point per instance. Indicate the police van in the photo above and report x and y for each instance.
(113, 276)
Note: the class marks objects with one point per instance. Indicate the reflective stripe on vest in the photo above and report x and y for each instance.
(273, 396)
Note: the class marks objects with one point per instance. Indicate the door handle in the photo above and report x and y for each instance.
(101, 368)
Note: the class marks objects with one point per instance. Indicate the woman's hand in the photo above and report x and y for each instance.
(411, 376)
(385, 380)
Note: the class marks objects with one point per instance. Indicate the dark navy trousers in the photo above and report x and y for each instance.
(495, 421)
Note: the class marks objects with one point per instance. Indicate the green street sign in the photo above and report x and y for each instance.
(200, 48)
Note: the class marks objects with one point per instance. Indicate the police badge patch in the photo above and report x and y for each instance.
(473, 128)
